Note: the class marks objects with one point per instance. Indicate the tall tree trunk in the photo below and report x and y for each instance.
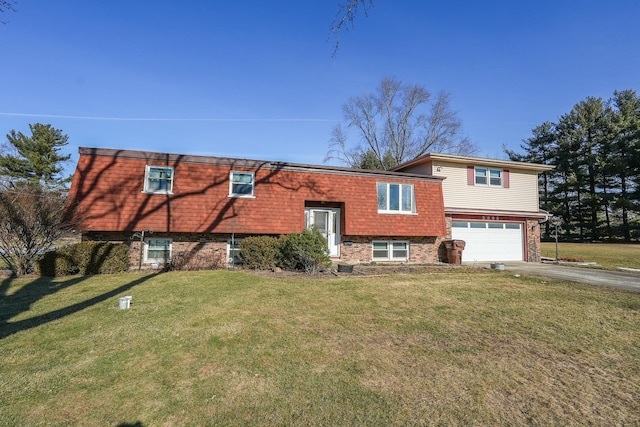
(606, 205)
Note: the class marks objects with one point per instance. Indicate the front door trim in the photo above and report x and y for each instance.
(327, 220)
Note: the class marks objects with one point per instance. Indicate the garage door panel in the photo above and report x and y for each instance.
(490, 244)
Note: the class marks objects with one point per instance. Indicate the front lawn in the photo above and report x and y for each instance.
(462, 347)
(606, 255)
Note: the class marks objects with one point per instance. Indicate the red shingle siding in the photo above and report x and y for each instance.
(107, 193)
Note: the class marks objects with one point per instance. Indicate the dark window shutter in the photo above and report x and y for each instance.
(505, 178)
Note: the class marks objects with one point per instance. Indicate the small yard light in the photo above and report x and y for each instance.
(232, 251)
(140, 234)
(556, 221)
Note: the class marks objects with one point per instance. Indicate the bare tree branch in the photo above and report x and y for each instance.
(345, 18)
(397, 123)
(30, 223)
(6, 6)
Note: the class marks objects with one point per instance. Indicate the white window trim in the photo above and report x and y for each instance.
(148, 260)
(236, 241)
(487, 177)
(146, 188)
(399, 211)
(253, 185)
(390, 250)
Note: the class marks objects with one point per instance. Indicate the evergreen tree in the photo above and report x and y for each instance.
(595, 148)
(623, 153)
(542, 148)
(368, 160)
(35, 159)
(580, 134)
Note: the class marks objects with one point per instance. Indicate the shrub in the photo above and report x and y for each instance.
(306, 251)
(101, 257)
(59, 262)
(85, 258)
(259, 252)
(116, 261)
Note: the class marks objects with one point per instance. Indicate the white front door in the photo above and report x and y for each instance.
(327, 221)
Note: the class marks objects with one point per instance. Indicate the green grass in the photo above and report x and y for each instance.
(464, 347)
(607, 255)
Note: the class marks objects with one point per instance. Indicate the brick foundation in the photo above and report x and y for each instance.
(359, 249)
(193, 250)
(210, 250)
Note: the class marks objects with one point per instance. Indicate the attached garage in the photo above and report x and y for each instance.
(490, 241)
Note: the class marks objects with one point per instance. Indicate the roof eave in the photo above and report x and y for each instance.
(248, 163)
(481, 161)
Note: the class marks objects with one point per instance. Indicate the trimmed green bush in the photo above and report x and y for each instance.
(306, 251)
(110, 258)
(259, 252)
(85, 258)
(57, 263)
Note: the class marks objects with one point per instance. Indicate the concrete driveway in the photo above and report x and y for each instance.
(593, 276)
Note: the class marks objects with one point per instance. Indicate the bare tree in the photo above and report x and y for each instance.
(345, 17)
(397, 123)
(6, 6)
(30, 223)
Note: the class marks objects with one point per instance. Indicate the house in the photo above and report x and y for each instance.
(169, 205)
(493, 205)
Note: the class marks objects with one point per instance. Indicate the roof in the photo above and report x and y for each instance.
(247, 163)
(480, 161)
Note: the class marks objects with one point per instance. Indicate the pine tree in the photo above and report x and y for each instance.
(624, 153)
(35, 159)
(580, 134)
(595, 148)
(542, 148)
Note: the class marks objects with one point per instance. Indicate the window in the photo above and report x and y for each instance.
(233, 251)
(395, 198)
(481, 176)
(158, 179)
(241, 184)
(490, 177)
(495, 177)
(157, 250)
(390, 251)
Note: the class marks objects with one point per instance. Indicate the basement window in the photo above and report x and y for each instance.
(233, 251)
(157, 250)
(390, 251)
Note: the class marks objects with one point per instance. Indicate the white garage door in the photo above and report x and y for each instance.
(489, 241)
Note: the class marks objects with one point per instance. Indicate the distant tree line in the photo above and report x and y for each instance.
(594, 190)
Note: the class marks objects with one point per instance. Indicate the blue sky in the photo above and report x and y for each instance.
(257, 79)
